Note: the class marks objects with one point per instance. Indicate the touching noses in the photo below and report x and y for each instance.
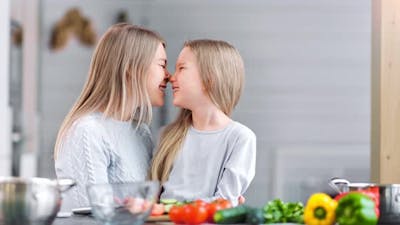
(167, 76)
(172, 78)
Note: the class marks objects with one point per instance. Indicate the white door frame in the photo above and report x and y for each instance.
(5, 115)
(30, 115)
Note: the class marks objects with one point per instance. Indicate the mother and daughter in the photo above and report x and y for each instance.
(105, 138)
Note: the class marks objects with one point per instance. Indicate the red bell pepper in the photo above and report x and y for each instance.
(372, 192)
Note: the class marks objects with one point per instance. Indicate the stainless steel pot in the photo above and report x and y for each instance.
(341, 185)
(389, 197)
(30, 201)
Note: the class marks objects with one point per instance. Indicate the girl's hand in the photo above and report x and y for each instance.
(241, 199)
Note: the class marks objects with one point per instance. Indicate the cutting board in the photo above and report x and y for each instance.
(162, 218)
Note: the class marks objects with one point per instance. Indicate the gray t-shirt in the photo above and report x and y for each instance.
(213, 164)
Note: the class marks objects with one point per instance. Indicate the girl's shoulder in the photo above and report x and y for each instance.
(242, 130)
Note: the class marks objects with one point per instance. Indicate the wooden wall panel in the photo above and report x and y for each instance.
(385, 160)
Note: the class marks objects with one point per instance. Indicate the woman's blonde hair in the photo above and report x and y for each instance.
(222, 73)
(116, 84)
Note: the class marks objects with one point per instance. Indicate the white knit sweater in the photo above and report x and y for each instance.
(102, 150)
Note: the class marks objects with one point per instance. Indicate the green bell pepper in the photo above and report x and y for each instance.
(356, 209)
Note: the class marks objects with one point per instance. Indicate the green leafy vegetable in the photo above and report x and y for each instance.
(277, 211)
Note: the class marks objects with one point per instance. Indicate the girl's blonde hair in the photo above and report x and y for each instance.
(116, 84)
(222, 73)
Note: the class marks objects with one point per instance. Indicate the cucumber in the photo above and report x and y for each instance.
(231, 215)
(255, 216)
(168, 201)
(168, 207)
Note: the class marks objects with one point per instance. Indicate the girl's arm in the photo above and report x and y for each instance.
(83, 157)
(239, 170)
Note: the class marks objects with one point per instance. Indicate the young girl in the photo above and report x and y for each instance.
(204, 153)
(105, 138)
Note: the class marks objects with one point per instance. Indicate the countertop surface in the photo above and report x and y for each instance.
(88, 220)
(75, 220)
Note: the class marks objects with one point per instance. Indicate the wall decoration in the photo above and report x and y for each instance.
(16, 33)
(73, 24)
(122, 17)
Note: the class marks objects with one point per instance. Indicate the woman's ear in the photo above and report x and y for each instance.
(128, 75)
(207, 85)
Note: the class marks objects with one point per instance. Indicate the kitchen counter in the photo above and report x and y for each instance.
(74, 220)
(88, 220)
(85, 220)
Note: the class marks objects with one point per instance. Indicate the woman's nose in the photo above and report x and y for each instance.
(172, 78)
(167, 76)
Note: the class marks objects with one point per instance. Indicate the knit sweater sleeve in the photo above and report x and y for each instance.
(83, 157)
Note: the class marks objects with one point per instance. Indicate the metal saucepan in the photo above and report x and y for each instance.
(30, 201)
(389, 197)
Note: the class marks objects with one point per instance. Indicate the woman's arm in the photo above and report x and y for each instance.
(83, 157)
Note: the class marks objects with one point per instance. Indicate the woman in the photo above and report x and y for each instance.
(204, 153)
(105, 137)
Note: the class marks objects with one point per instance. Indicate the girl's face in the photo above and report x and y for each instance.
(187, 86)
(157, 77)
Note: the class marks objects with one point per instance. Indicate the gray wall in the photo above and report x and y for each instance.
(307, 93)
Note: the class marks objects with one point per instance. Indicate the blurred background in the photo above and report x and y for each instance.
(307, 91)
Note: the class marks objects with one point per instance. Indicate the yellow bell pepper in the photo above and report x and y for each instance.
(320, 210)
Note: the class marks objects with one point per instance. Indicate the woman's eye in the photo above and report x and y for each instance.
(163, 66)
(181, 68)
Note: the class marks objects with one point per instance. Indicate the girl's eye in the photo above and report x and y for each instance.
(163, 66)
(181, 68)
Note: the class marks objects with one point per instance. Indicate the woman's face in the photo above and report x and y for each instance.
(187, 86)
(157, 77)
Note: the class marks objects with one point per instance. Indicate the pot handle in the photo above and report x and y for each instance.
(340, 185)
(65, 184)
(397, 198)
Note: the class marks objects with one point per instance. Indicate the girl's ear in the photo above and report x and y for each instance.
(128, 81)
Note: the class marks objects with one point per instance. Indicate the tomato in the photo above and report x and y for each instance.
(195, 213)
(212, 208)
(176, 214)
(200, 202)
(216, 205)
(224, 203)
